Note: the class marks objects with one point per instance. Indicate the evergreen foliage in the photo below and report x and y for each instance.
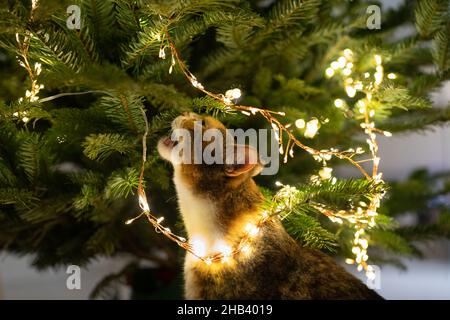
(68, 175)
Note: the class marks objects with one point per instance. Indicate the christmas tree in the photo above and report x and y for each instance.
(89, 87)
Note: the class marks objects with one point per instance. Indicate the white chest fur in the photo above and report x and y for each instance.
(199, 216)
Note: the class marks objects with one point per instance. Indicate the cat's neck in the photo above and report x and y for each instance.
(210, 218)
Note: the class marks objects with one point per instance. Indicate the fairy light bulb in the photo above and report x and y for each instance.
(348, 53)
(342, 62)
(143, 203)
(159, 220)
(252, 230)
(223, 248)
(233, 93)
(325, 173)
(335, 65)
(300, 123)
(338, 103)
(351, 92)
(378, 59)
(329, 72)
(312, 127)
(392, 76)
(198, 246)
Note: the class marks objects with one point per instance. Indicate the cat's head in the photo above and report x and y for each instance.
(205, 155)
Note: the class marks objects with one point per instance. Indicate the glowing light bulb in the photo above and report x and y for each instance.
(300, 123)
(223, 248)
(350, 91)
(325, 173)
(348, 53)
(312, 127)
(392, 76)
(378, 60)
(342, 62)
(252, 230)
(233, 93)
(198, 246)
(347, 71)
(159, 220)
(162, 53)
(143, 203)
(329, 72)
(339, 103)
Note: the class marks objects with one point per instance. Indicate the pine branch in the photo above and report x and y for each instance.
(417, 120)
(430, 16)
(101, 146)
(293, 13)
(125, 111)
(309, 231)
(122, 183)
(21, 198)
(441, 49)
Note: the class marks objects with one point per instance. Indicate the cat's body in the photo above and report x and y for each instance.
(216, 202)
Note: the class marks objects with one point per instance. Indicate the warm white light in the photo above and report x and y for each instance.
(325, 173)
(300, 123)
(252, 230)
(392, 76)
(350, 91)
(143, 203)
(233, 93)
(349, 261)
(377, 59)
(342, 62)
(329, 72)
(312, 127)
(348, 53)
(347, 71)
(198, 246)
(339, 103)
(223, 248)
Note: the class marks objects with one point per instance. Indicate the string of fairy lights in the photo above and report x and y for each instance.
(361, 217)
(31, 95)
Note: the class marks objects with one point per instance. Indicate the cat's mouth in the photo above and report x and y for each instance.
(169, 143)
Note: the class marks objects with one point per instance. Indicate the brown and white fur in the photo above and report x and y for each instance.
(216, 202)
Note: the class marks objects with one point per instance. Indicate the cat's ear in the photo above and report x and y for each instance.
(243, 159)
